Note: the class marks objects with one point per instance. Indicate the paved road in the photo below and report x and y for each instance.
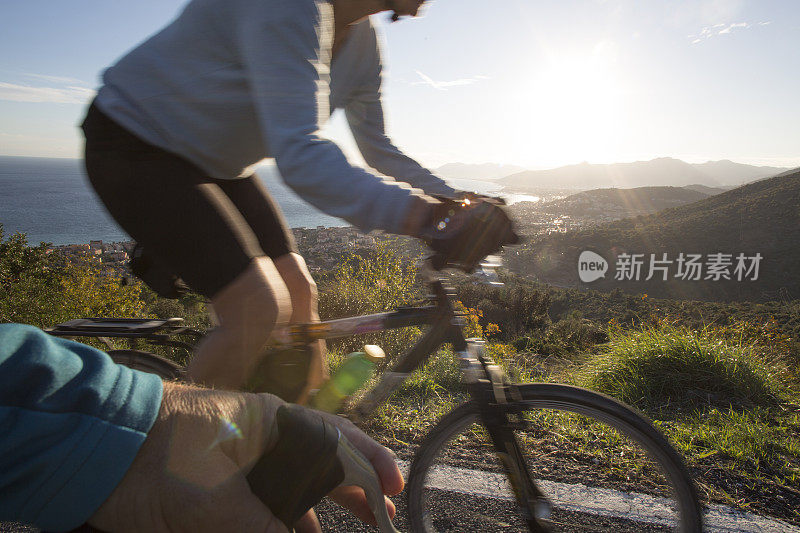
(475, 492)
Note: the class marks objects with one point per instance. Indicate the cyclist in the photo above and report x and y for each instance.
(84, 440)
(224, 85)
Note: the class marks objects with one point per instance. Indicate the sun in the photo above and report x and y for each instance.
(575, 106)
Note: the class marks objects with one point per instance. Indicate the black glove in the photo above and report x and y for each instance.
(304, 459)
(462, 234)
(475, 197)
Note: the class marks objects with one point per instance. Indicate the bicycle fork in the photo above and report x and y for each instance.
(491, 393)
(534, 505)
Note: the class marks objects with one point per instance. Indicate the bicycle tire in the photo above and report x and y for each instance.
(437, 501)
(148, 362)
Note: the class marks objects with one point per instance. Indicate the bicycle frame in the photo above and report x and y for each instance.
(485, 381)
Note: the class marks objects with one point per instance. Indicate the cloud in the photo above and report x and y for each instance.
(71, 94)
(722, 29)
(733, 27)
(56, 79)
(445, 85)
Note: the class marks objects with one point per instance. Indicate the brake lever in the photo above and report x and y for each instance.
(359, 471)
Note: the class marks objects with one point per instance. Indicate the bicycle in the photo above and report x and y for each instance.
(591, 450)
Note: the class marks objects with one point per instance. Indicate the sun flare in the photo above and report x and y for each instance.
(575, 103)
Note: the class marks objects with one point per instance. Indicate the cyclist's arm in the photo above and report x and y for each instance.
(71, 422)
(365, 116)
(281, 49)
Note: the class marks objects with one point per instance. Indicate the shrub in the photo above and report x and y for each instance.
(361, 285)
(666, 365)
(575, 335)
(43, 289)
(515, 307)
(564, 338)
(439, 376)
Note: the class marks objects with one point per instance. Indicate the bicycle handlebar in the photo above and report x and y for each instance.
(462, 233)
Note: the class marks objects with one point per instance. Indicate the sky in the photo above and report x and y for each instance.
(532, 83)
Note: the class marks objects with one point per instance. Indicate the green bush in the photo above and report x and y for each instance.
(43, 289)
(362, 285)
(566, 337)
(439, 377)
(575, 335)
(516, 307)
(665, 366)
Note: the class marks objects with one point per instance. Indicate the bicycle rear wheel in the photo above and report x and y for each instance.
(147, 362)
(601, 466)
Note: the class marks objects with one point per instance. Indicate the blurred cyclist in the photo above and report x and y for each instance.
(227, 83)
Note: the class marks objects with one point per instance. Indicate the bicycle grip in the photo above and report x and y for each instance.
(302, 467)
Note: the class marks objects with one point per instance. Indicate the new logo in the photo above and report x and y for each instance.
(591, 266)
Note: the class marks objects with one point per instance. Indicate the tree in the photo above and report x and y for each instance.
(43, 289)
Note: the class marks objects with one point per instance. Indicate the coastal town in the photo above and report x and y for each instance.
(324, 247)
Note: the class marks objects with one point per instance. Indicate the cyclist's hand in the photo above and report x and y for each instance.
(189, 474)
(463, 234)
(475, 197)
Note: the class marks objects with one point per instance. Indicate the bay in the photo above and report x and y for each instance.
(50, 201)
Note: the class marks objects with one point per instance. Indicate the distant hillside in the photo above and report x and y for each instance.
(622, 203)
(761, 217)
(710, 191)
(657, 172)
(485, 171)
(789, 172)
(730, 173)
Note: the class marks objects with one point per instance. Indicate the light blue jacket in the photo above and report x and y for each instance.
(231, 82)
(71, 422)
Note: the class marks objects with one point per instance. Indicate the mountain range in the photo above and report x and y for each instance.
(760, 218)
(663, 171)
(483, 171)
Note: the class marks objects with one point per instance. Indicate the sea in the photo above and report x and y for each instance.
(50, 201)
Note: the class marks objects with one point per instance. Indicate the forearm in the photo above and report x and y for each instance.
(387, 159)
(365, 118)
(72, 422)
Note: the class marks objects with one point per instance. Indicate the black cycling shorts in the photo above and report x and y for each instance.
(204, 230)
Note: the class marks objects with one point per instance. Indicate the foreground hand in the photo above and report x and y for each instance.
(189, 474)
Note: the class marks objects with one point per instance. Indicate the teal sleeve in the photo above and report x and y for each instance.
(71, 422)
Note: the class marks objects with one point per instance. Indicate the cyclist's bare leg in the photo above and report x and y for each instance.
(248, 310)
(303, 293)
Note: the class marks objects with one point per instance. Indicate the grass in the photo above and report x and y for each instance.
(665, 367)
(723, 396)
(755, 440)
